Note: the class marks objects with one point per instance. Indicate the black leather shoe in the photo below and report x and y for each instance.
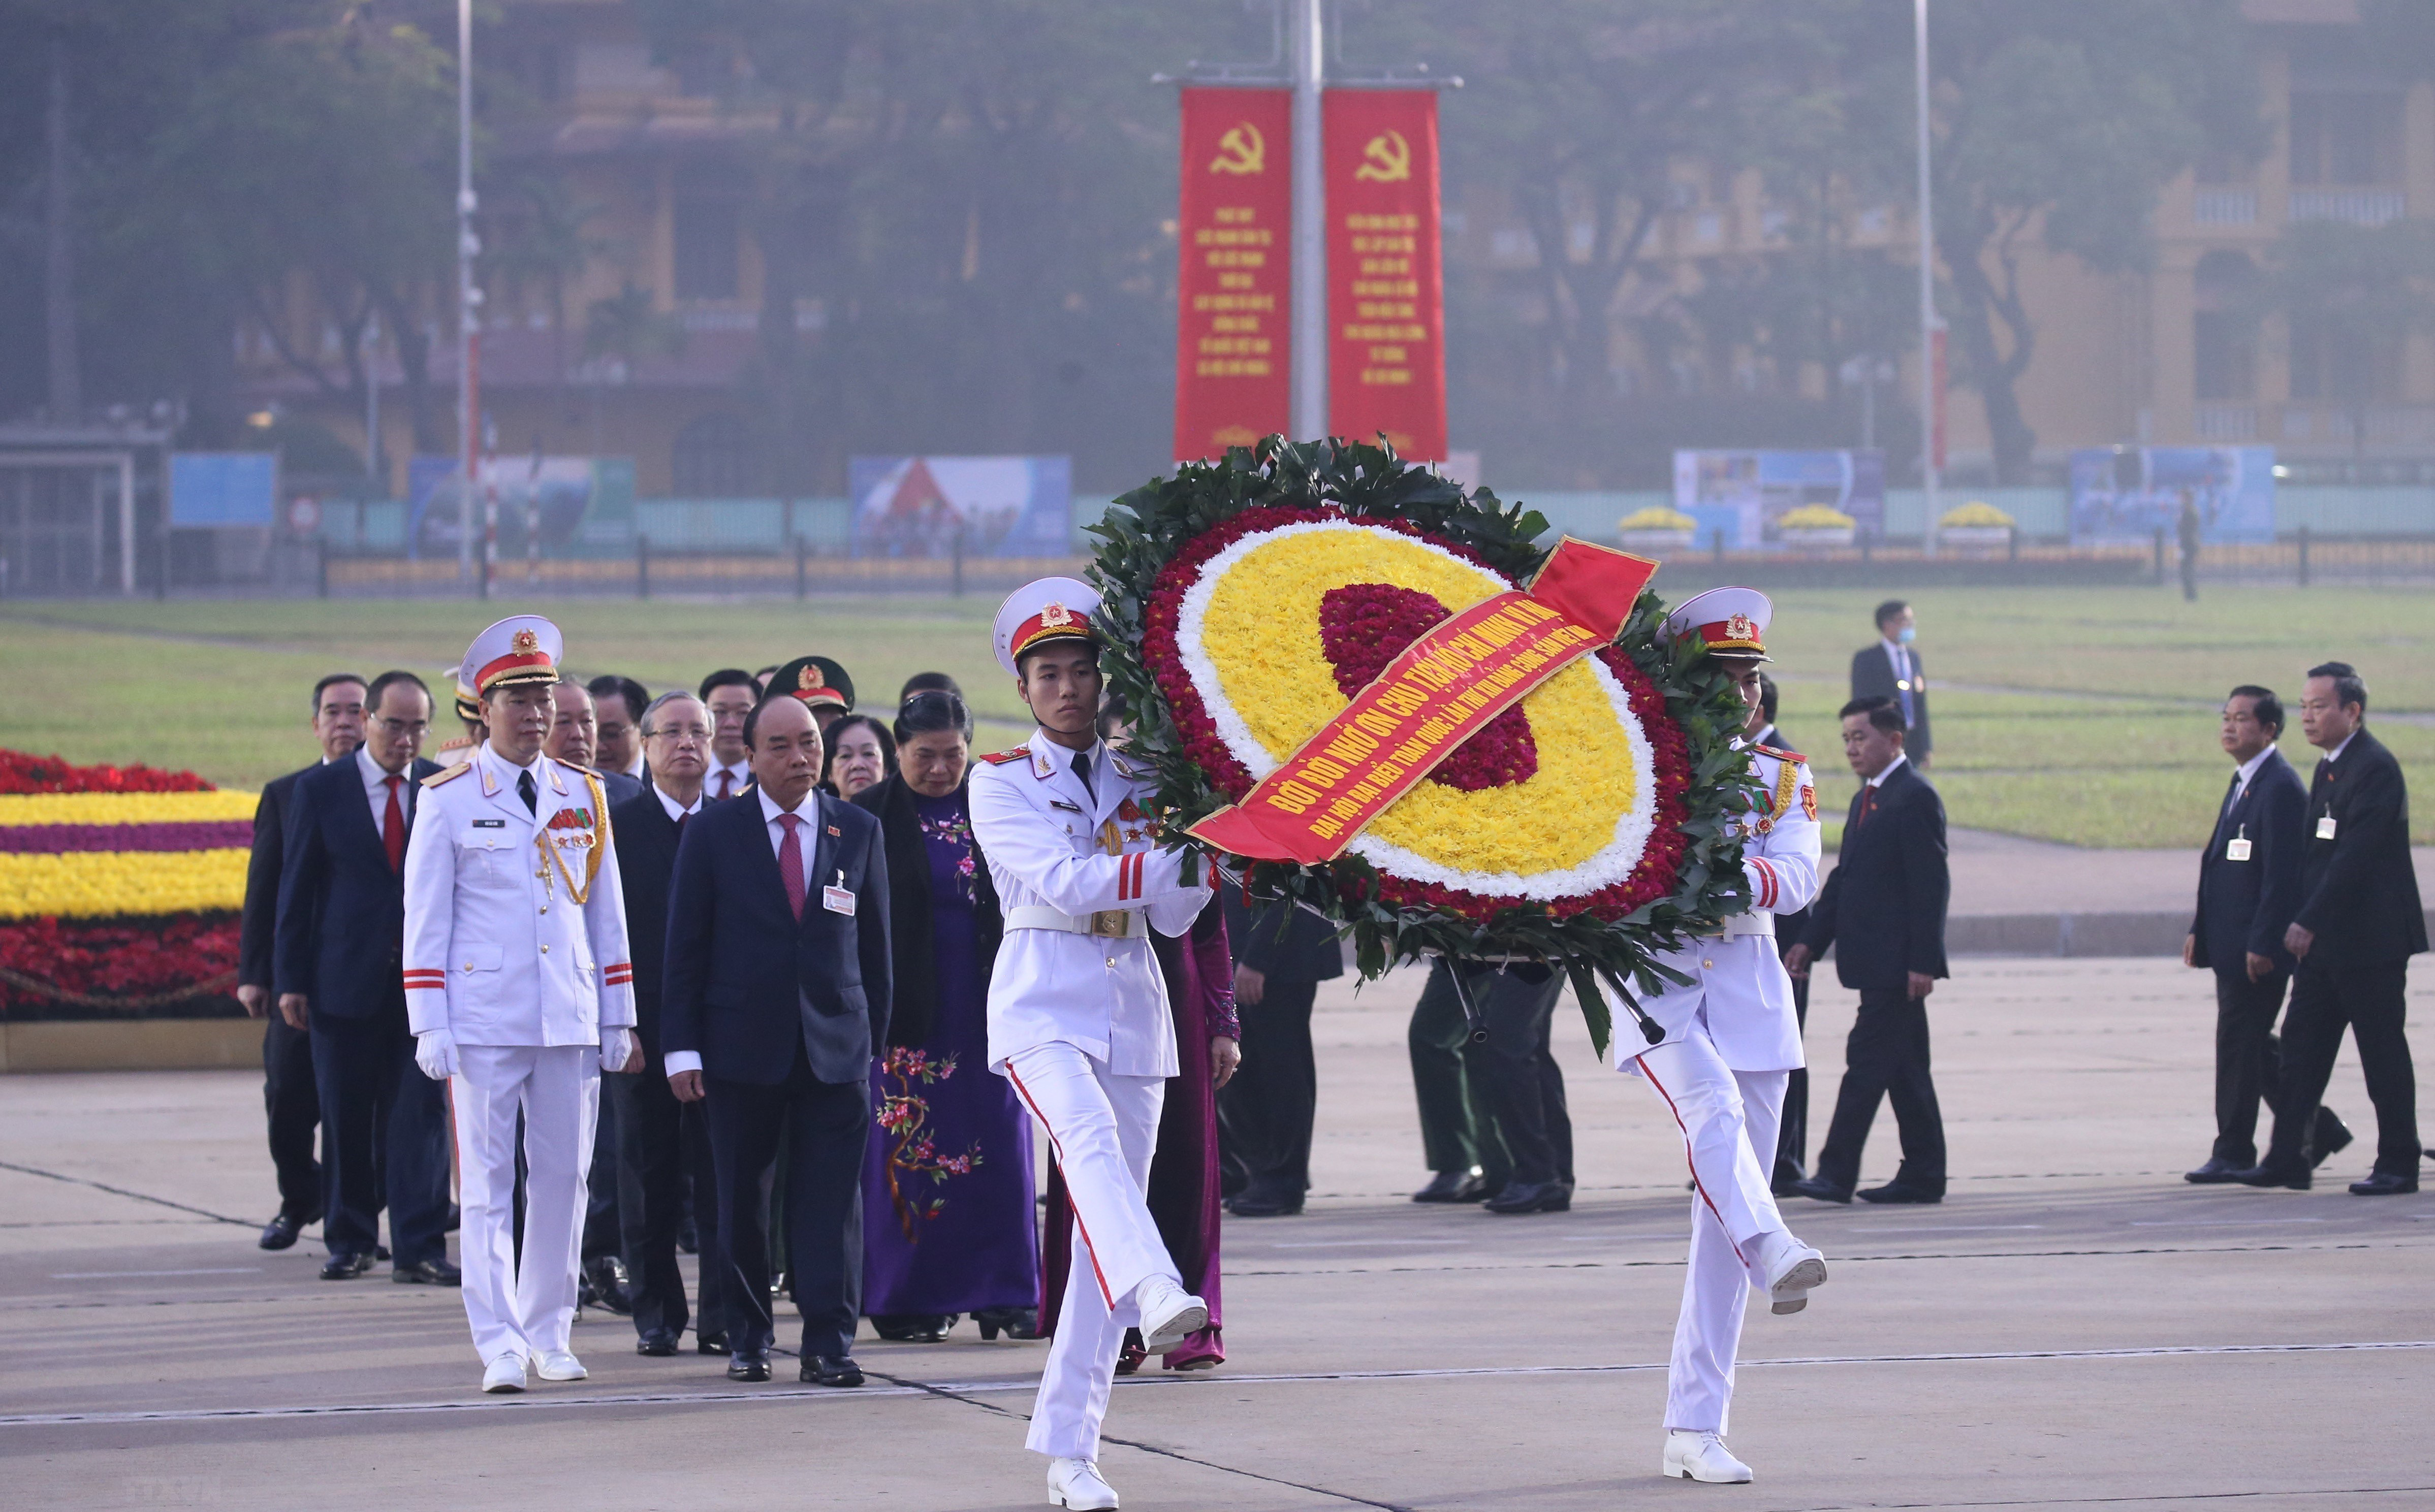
(1254, 1203)
(912, 1328)
(2328, 1137)
(1531, 1196)
(345, 1267)
(604, 1282)
(748, 1365)
(1786, 1177)
(713, 1342)
(1014, 1322)
(1452, 1186)
(659, 1343)
(830, 1370)
(2385, 1184)
(428, 1273)
(1900, 1192)
(2214, 1173)
(280, 1232)
(1817, 1189)
(2294, 1177)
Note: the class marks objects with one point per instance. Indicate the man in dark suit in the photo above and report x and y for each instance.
(1891, 670)
(618, 705)
(662, 1142)
(340, 946)
(1883, 910)
(2358, 923)
(1282, 953)
(289, 1099)
(777, 987)
(1792, 1136)
(2249, 888)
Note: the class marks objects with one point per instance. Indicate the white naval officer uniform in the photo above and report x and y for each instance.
(1079, 1024)
(524, 977)
(1731, 1042)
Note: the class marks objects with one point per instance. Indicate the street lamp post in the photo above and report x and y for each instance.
(1929, 365)
(1305, 44)
(469, 304)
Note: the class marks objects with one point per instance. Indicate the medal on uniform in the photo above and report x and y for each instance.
(573, 830)
(2236, 848)
(2325, 827)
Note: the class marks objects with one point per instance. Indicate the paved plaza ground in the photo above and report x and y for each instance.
(2074, 1325)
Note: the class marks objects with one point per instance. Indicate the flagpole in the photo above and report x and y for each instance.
(1929, 397)
(1306, 40)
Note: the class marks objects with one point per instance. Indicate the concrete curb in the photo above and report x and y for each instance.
(2157, 934)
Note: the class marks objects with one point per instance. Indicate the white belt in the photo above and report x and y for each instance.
(1108, 924)
(1757, 925)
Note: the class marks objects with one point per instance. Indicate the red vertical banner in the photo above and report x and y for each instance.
(1234, 362)
(1385, 280)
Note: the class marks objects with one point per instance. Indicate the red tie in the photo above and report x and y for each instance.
(1868, 806)
(726, 783)
(393, 826)
(791, 865)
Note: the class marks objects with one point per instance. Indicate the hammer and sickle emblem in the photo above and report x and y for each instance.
(1242, 149)
(1387, 159)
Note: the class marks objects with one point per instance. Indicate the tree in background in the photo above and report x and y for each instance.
(2349, 298)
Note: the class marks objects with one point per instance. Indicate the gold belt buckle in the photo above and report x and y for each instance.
(1109, 923)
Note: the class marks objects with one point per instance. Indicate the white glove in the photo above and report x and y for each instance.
(616, 1047)
(434, 1050)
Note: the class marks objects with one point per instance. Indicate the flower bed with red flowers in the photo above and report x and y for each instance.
(179, 964)
(1688, 877)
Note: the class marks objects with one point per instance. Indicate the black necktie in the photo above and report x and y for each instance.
(1082, 770)
(2229, 794)
(531, 794)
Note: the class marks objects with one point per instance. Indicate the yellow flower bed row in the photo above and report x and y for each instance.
(95, 884)
(125, 808)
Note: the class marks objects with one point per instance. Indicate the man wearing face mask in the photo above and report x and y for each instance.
(1891, 669)
(520, 993)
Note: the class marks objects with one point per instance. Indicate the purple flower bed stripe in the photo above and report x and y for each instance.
(190, 834)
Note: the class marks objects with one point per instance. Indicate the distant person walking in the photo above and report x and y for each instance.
(2249, 888)
(2187, 529)
(2359, 922)
(1891, 670)
(1883, 910)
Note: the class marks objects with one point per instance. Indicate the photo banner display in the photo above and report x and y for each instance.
(2122, 495)
(1386, 282)
(1234, 362)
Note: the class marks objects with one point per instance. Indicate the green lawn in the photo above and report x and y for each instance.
(2083, 716)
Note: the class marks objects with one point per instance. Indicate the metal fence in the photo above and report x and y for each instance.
(650, 572)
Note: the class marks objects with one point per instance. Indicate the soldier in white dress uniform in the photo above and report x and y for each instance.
(520, 992)
(1079, 1019)
(1731, 1042)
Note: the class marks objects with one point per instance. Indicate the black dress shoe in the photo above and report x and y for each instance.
(603, 1280)
(2329, 1137)
(1900, 1192)
(657, 1343)
(711, 1343)
(1254, 1203)
(428, 1273)
(830, 1370)
(1452, 1186)
(2214, 1173)
(1786, 1177)
(345, 1267)
(1014, 1322)
(2294, 1177)
(912, 1328)
(1817, 1189)
(748, 1365)
(1531, 1196)
(2385, 1184)
(280, 1232)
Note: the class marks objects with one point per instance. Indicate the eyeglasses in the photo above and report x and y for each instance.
(403, 726)
(677, 733)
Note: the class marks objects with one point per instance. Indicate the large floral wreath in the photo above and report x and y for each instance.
(1588, 826)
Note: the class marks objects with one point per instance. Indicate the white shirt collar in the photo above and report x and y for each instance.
(676, 810)
(1892, 768)
(636, 771)
(770, 808)
(376, 780)
(2336, 754)
(1895, 651)
(2249, 768)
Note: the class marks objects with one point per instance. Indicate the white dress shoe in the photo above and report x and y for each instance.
(1075, 1484)
(1793, 1269)
(1702, 1457)
(558, 1365)
(1170, 1314)
(506, 1373)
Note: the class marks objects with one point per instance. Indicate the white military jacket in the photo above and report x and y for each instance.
(1739, 993)
(515, 922)
(1052, 844)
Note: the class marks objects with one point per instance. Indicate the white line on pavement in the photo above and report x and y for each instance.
(113, 1275)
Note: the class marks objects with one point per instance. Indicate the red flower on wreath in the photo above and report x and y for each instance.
(21, 772)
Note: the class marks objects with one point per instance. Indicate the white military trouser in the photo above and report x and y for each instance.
(530, 1309)
(1729, 1121)
(1102, 1130)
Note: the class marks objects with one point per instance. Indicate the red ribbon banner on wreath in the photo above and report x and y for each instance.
(1438, 693)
